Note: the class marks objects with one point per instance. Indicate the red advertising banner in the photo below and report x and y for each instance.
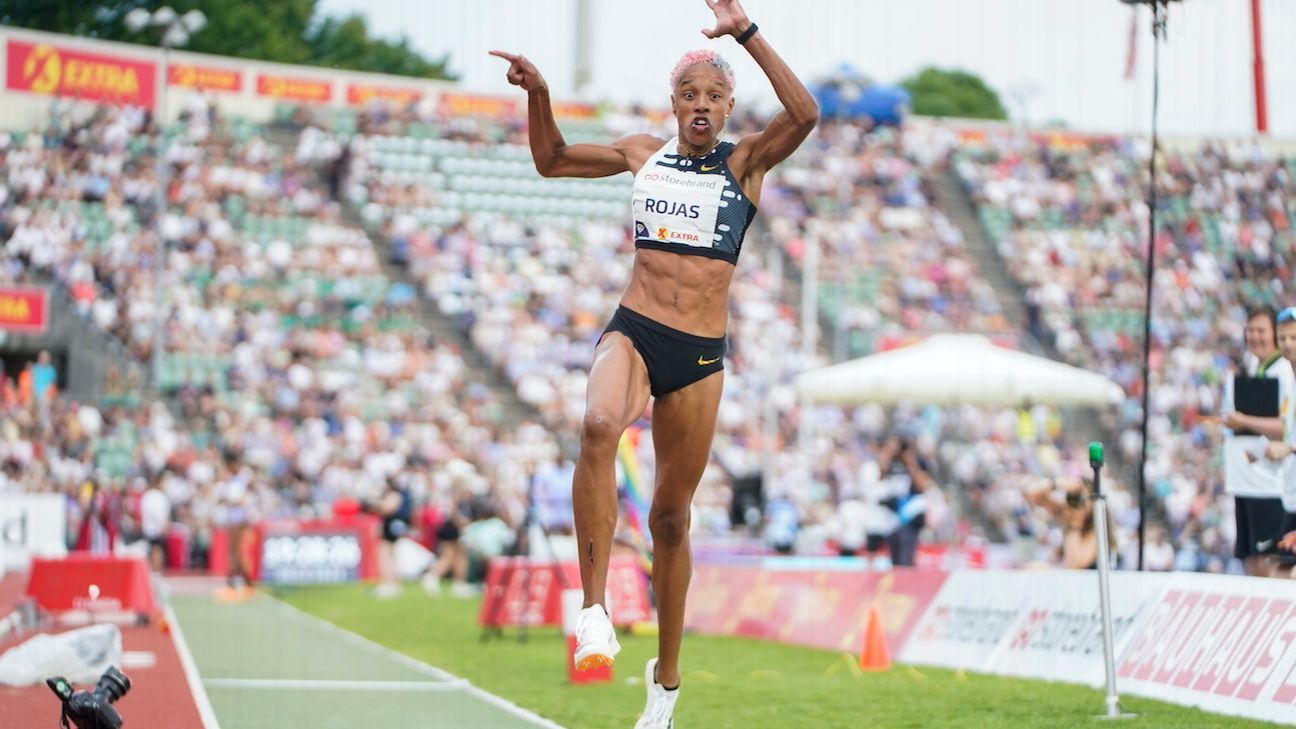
(83, 581)
(519, 587)
(1201, 646)
(204, 77)
(294, 89)
(812, 607)
(496, 107)
(24, 309)
(41, 68)
(360, 94)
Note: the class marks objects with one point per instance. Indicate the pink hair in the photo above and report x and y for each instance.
(702, 56)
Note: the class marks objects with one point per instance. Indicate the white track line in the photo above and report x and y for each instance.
(190, 671)
(359, 640)
(332, 685)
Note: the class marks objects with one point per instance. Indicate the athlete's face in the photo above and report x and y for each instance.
(1259, 336)
(701, 102)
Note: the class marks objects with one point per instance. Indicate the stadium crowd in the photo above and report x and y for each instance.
(298, 374)
(1071, 222)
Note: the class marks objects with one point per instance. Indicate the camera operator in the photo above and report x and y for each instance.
(1255, 485)
(1068, 500)
(905, 477)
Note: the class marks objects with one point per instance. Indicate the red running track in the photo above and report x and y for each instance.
(160, 696)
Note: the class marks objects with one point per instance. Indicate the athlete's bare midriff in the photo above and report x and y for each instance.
(688, 293)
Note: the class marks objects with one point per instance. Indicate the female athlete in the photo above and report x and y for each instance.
(694, 197)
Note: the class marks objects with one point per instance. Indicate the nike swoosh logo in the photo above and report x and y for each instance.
(707, 361)
(708, 169)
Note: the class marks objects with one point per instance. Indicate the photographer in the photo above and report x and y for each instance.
(1067, 499)
(905, 478)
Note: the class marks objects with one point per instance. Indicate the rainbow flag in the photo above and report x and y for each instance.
(634, 495)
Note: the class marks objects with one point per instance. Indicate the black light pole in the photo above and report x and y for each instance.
(1160, 10)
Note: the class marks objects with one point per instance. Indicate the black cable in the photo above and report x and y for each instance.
(1159, 8)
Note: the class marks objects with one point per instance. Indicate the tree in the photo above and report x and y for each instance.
(284, 31)
(937, 92)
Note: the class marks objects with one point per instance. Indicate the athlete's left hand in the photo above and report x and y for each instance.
(731, 19)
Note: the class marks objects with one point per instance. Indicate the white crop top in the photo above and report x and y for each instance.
(693, 206)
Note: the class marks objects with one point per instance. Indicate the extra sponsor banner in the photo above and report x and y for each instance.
(32, 525)
(293, 88)
(1226, 644)
(495, 107)
(24, 309)
(807, 602)
(1038, 624)
(43, 68)
(206, 78)
(360, 94)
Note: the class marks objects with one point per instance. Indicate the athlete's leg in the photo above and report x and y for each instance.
(615, 398)
(683, 425)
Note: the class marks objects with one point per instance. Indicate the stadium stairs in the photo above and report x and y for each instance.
(515, 410)
(1083, 424)
(442, 327)
(90, 351)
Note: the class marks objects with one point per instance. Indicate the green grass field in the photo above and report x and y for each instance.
(728, 682)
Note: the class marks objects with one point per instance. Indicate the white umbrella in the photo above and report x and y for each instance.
(955, 369)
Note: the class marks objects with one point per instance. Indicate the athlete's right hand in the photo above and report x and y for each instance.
(522, 72)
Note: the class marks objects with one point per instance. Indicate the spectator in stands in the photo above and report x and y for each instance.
(1158, 554)
(1260, 520)
(44, 377)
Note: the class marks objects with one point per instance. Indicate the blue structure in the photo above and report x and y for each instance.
(849, 95)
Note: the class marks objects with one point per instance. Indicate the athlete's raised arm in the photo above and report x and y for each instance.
(789, 128)
(553, 156)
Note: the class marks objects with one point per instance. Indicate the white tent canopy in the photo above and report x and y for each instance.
(957, 369)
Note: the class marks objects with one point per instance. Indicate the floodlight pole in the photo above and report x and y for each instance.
(1159, 12)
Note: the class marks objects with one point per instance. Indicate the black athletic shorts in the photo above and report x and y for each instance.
(447, 532)
(674, 359)
(394, 529)
(1260, 524)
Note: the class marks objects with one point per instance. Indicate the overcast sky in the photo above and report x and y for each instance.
(1054, 59)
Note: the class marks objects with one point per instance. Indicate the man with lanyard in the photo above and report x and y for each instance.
(1256, 482)
(1285, 451)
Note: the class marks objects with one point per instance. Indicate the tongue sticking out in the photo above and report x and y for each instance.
(700, 125)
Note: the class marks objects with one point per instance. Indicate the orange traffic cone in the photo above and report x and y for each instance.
(874, 655)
